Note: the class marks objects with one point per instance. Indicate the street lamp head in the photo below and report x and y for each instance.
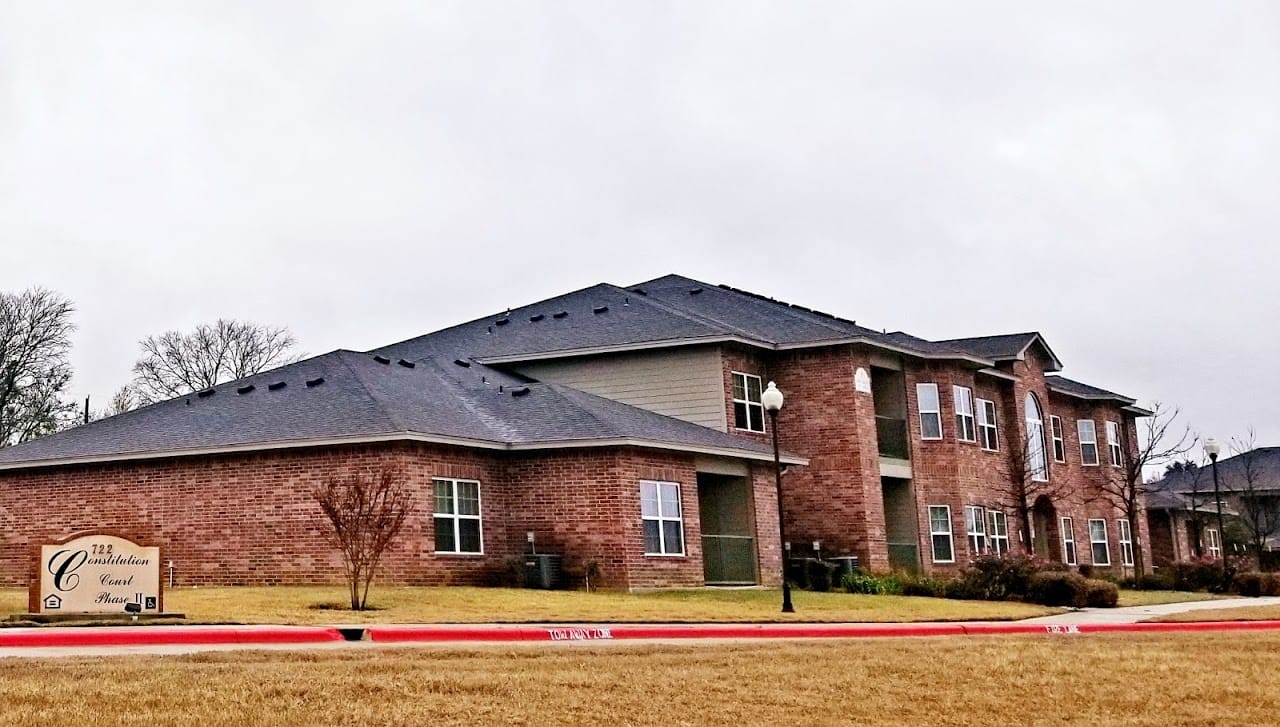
(1212, 448)
(771, 399)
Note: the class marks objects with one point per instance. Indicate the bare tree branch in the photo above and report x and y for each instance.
(367, 513)
(35, 330)
(1259, 505)
(175, 363)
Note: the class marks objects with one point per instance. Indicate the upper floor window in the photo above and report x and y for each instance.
(1036, 465)
(1059, 441)
(457, 516)
(663, 523)
(748, 413)
(1113, 444)
(987, 424)
(930, 411)
(1088, 441)
(963, 399)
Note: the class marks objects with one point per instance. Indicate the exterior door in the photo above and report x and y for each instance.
(728, 536)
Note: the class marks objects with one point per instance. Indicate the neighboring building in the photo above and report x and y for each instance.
(621, 425)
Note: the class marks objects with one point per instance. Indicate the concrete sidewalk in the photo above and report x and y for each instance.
(1134, 614)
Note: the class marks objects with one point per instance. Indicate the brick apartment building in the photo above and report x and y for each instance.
(616, 424)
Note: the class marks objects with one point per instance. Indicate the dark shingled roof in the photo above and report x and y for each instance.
(1004, 347)
(1232, 475)
(361, 397)
(1063, 385)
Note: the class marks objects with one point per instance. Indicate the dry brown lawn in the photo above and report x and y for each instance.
(1155, 598)
(1065, 680)
(295, 605)
(1242, 613)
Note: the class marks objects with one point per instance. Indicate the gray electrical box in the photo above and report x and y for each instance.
(542, 571)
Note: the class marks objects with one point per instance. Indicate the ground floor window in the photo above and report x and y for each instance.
(1098, 542)
(457, 516)
(940, 533)
(975, 528)
(1126, 542)
(1214, 542)
(999, 532)
(1068, 541)
(663, 523)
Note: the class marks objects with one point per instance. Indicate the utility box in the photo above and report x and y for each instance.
(542, 570)
(845, 565)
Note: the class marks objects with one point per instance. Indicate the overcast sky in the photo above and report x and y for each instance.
(366, 172)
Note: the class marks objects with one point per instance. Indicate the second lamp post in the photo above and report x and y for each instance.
(771, 399)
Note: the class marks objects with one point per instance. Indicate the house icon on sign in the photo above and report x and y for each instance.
(52, 602)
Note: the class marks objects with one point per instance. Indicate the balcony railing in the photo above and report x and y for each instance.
(891, 434)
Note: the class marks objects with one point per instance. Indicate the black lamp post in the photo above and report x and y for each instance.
(771, 399)
(1212, 449)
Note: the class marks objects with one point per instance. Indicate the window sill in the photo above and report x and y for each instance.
(456, 554)
(666, 555)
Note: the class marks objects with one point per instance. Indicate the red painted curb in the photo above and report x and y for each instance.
(162, 636)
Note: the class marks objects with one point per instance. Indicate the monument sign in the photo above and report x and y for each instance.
(96, 573)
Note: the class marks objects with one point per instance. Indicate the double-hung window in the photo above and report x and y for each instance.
(1126, 542)
(1098, 542)
(963, 398)
(748, 413)
(975, 527)
(1088, 441)
(1068, 541)
(987, 432)
(457, 516)
(940, 533)
(930, 411)
(1113, 443)
(661, 515)
(1059, 442)
(998, 533)
(1214, 542)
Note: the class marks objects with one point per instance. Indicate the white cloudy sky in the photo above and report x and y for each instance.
(365, 172)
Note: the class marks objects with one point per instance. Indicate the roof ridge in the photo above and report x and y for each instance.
(471, 403)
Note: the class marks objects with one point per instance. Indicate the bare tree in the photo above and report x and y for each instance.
(1127, 490)
(176, 363)
(35, 339)
(1259, 503)
(366, 511)
(122, 401)
(1027, 479)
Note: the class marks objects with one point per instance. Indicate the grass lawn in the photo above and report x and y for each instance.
(289, 604)
(1069, 680)
(1242, 613)
(1155, 598)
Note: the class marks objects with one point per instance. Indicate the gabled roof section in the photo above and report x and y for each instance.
(346, 397)
(1232, 475)
(1006, 347)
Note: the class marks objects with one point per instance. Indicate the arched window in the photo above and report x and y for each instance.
(1037, 467)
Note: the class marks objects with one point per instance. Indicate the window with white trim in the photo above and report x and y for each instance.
(987, 433)
(457, 516)
(963, 399)
(1088, 441)
(748, 412)
(1036, 465)
(998, 533)
(1059, 441)
(661, 514)
(940, 533)
(1113, 443)
(1098, 542)
(1068, 541)
(1126, 541)
(930, 409)
(975, 527)
(1214, 542)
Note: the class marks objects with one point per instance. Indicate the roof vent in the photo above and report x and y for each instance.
(560, 315)
(381, 359)
(626, 301)
(535, 319)
(245, 389)
(205, 393)
(406, 364)
(276, 386)
(315, 382)
(600, 309)
(520, 391)
(695, 291)
(462, 363)
(502, 321)
(639, 291)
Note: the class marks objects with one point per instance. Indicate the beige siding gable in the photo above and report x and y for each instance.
(683, 383)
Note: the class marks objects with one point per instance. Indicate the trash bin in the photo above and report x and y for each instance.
(542, 570)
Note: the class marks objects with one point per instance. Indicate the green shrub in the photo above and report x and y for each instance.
(962, 590)
(1101, 593)
(888, 585)
(1050, 588)
(927, 586)
(1158, 581)
(1201, 574)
